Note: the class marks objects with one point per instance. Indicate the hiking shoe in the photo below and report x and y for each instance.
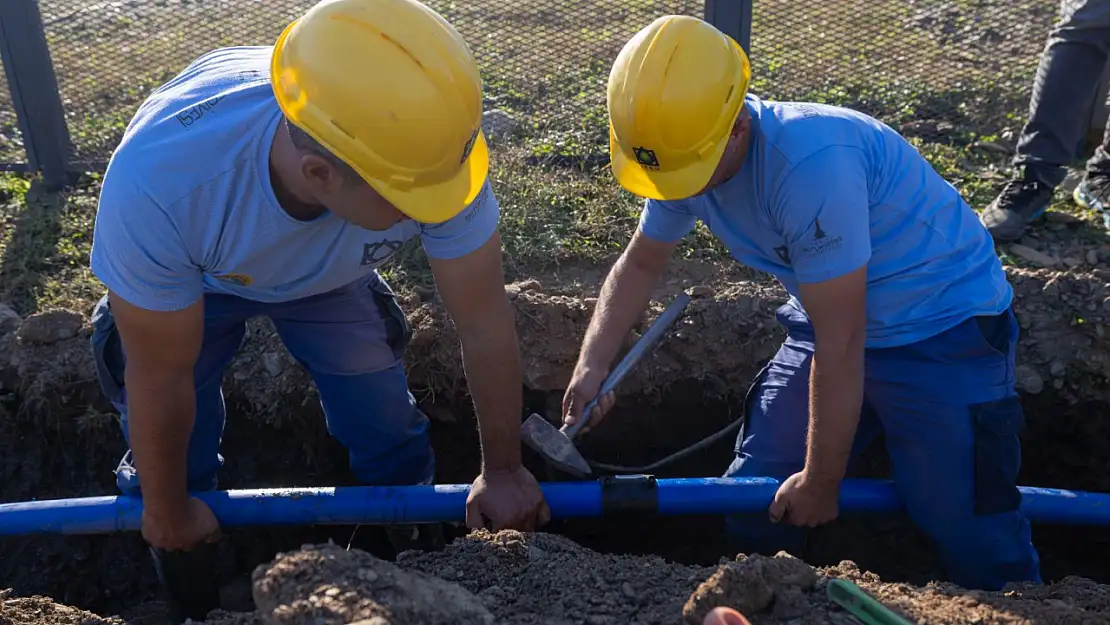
(1094, 194)
(1020, 203)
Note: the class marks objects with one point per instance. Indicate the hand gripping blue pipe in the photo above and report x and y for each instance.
(417, 504)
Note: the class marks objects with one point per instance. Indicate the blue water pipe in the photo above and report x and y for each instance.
(416, 504)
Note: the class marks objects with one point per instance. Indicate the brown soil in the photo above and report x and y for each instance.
(725, 335)
(44, 611)
(511, 578)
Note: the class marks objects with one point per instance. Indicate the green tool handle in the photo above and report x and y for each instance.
(862, 605)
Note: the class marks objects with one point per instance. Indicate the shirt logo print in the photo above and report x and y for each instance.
(784, 253)
(374, 253)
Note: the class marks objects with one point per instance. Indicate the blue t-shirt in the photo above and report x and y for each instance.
(825, 190)
(187, 207)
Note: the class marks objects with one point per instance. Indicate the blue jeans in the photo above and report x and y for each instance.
(351, 341)
(952, 419)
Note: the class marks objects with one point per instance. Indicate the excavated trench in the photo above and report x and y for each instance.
(1065, 447)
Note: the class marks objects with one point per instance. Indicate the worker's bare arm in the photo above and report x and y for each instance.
(624, 296)
(473, 290)
(838, 311)
(162, 349)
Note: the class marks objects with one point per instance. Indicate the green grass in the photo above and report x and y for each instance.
(45, 240)
(947, 74)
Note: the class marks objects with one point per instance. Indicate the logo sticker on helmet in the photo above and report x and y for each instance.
(646, 158)
(469, 146)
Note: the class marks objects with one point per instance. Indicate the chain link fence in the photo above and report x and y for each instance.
(544, 62)
(947, 71)
(950, 71)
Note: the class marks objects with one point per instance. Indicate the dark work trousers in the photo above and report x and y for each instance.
(1064, 91)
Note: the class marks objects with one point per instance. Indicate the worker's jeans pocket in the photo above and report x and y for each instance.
(398, 332)
(997, 426)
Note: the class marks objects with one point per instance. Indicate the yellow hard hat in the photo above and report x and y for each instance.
(674, 94)
(390, 87)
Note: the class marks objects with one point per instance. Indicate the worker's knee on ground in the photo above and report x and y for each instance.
(997, 426)
(986, 553)
(107, 351)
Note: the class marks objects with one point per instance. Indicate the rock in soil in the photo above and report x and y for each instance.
(510, 578)
(327, 585)
(50, 327)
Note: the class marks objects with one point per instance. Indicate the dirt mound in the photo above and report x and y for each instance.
(527, 579)
(546, 578)
(510, 578)
(784, 589)
(43, 611)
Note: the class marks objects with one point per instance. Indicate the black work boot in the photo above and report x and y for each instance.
(1094, 194)
(420, 537)
(1021, 202)
(188, 579)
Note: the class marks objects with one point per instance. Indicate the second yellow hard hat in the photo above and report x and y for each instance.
(390, 87)
(674, 93)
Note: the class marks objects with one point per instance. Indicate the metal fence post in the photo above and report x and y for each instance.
(34, 88)
(733, 18)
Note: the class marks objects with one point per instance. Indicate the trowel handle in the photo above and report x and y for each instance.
(642, 346)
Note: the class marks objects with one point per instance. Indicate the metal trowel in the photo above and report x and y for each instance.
(556, 445)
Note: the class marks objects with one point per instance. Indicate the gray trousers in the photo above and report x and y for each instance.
(1064, 91)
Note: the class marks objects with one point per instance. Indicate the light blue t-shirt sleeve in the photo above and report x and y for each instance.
(465, 232)
(667, 222)
(138, 252)
(822, 207)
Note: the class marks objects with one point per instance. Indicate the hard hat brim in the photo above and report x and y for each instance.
(438, 203)
(677, 184)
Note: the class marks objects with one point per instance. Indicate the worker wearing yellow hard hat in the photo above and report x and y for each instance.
(307, 164)
(674, 93)
(392, 89)
(899, 317)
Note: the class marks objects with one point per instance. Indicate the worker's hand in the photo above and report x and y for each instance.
(508, 500)
(584, 386)
(805, 500)
(193, 525)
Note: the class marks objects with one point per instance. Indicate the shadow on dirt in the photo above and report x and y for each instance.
(1065, 447)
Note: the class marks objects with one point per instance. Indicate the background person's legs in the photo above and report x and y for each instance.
(1064, 89)
(952, 421)
(352, 343)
